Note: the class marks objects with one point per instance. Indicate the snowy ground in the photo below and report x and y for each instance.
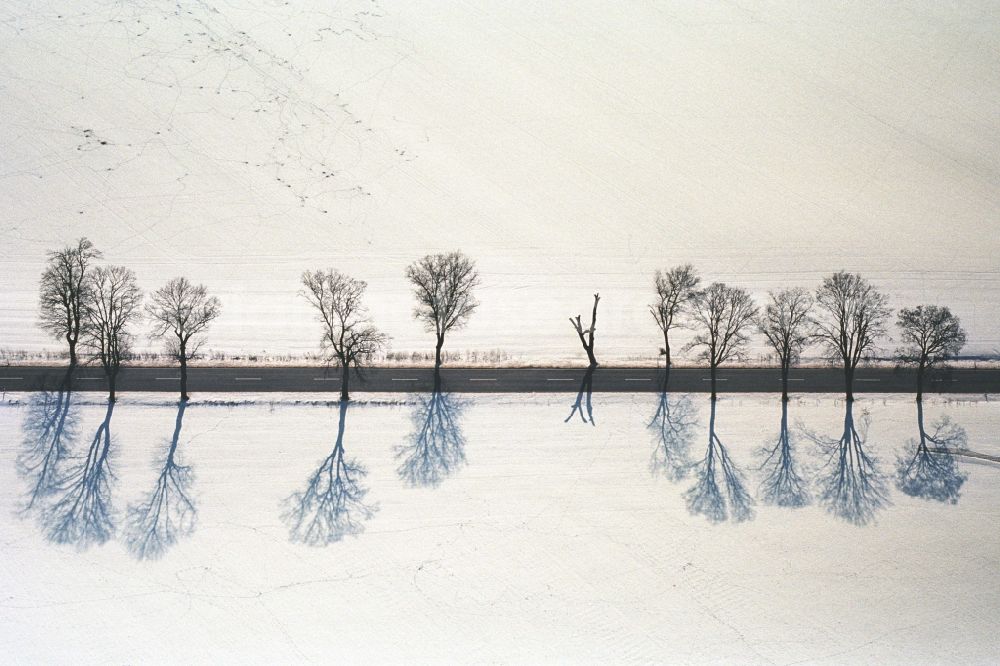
(568, 148)
(507, 535)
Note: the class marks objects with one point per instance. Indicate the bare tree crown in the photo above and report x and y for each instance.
(185, 311)
(443, 284)
(725, 316)
(674, 290)
(786, 325)
(929, 333)
(64, 288)
(852, 315)
(348, 333)
(114, 305)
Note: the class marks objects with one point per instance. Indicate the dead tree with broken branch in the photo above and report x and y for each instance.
(587, 335)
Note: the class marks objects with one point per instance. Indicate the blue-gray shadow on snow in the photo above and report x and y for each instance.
(719, 491)
(931, 473)
(672, 427)
(850, 484)
(167, 512)
(78, 507)
(782, 483)
(435, 449)
(49, 429)
(333, 503)
(584, 405)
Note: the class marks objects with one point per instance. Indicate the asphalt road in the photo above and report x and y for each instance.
(510, 380)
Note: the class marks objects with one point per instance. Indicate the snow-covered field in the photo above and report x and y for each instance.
(569, 148)
(494, 531)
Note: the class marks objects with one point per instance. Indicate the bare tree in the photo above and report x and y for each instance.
(64, 293)
(930, 334)
(852, 318)
(443, 285)
(114, 306)
(349, 336)
(674, 291)
(786, 325)
(183, 310)
(725, 316)
(587, 335)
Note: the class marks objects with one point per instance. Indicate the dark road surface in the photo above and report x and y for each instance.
(511, 380)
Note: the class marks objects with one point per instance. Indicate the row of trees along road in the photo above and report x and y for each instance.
(94, 306)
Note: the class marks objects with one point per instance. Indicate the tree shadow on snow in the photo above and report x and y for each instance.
(782, 483)
(333, 503)
(583, 405)
(436, 447)
(850, 483)
(78, 508)
(50, 427)
(931, 472)
(672, 427)
(167, 512)
(719, 491)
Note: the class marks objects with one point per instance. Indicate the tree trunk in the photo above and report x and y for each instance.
(849, 383)
(711, 371)
(72, 352)
(590, 355)
(184, 375)
(112, 378)
(345, 377)
(437, 351)
(666, 349)
(784, 382)
(920, 382)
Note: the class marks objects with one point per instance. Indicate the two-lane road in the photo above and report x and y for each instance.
(505, 380)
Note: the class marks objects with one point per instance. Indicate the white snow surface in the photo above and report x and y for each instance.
(567, 148)
(550, 541)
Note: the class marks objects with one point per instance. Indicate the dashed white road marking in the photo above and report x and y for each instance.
(404, 379)
(481, 379)
(718, 379)
(558, 379)
(11, 378)
(638, 379)
(247, 379)
(869, 380)
(164, 379)
(326, 379)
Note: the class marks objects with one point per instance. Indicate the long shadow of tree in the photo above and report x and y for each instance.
(782, 483)
(436, 447)
(333, 503)
(50, 427)
(850, 483)
(931, 472)
(672, 427)
(583, 405)
(719, 491)
(167, 512)
(79, 507)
